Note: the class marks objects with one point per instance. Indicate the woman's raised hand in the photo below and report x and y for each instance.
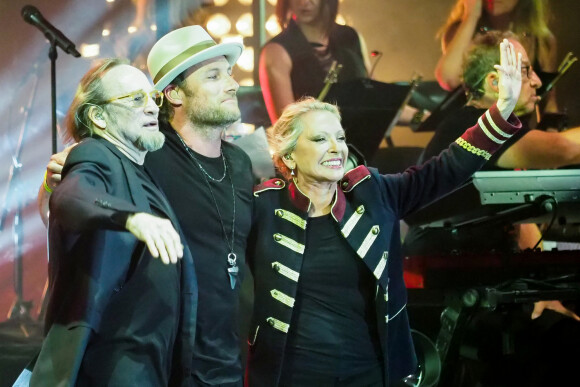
(510, 78)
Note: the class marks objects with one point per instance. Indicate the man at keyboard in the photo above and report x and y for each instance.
(528, 149)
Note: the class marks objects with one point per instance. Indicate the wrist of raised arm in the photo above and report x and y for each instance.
(491, 131)
(45, 185)
(505, 107)
(122, 218)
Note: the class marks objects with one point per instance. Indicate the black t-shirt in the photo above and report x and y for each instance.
(308, 71)
(333, 330)
(216, 358)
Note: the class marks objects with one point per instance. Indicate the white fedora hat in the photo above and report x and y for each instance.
(185, 47)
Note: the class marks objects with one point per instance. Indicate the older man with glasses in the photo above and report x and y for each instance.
(529, 149)
(117, 315)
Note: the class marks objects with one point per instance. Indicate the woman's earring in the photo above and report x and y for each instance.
(292, 171)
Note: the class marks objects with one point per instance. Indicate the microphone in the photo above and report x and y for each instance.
(32, 15)
(377, 55)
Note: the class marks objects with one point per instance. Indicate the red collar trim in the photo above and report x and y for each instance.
(353, 177)
(268, 185)
(350, 180)
(302, 202)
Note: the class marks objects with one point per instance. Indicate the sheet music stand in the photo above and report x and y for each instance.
(428, 95)
(368, 108)
(454, 101)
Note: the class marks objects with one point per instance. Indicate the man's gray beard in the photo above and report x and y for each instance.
(150, 141)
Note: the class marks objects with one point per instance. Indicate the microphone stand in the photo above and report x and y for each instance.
(20, 309)
(53, 55)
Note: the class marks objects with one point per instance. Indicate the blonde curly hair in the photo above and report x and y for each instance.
(289, 127)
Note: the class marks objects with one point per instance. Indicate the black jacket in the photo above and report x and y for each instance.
(90, 254)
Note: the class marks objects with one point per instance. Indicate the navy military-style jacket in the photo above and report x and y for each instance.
(367, 208)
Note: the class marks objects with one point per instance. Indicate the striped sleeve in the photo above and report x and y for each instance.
(489, 134)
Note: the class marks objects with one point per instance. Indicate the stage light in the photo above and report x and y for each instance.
(232, 38)
(218, 25)
(272, 26)
(272, 2)
(153, 27)
(246, 82)
(90, 50)
(246, 61)
(245, 2)
(247, 128)
(340, 20)
(110, 1)
(132, 29)
(244, 25)
(106, 32)
(219, 3)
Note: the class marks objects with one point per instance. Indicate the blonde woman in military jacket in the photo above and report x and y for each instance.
(301, 337)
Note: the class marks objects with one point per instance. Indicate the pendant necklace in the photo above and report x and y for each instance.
(233, 268)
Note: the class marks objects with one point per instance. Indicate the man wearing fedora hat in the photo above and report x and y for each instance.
(208, 183)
